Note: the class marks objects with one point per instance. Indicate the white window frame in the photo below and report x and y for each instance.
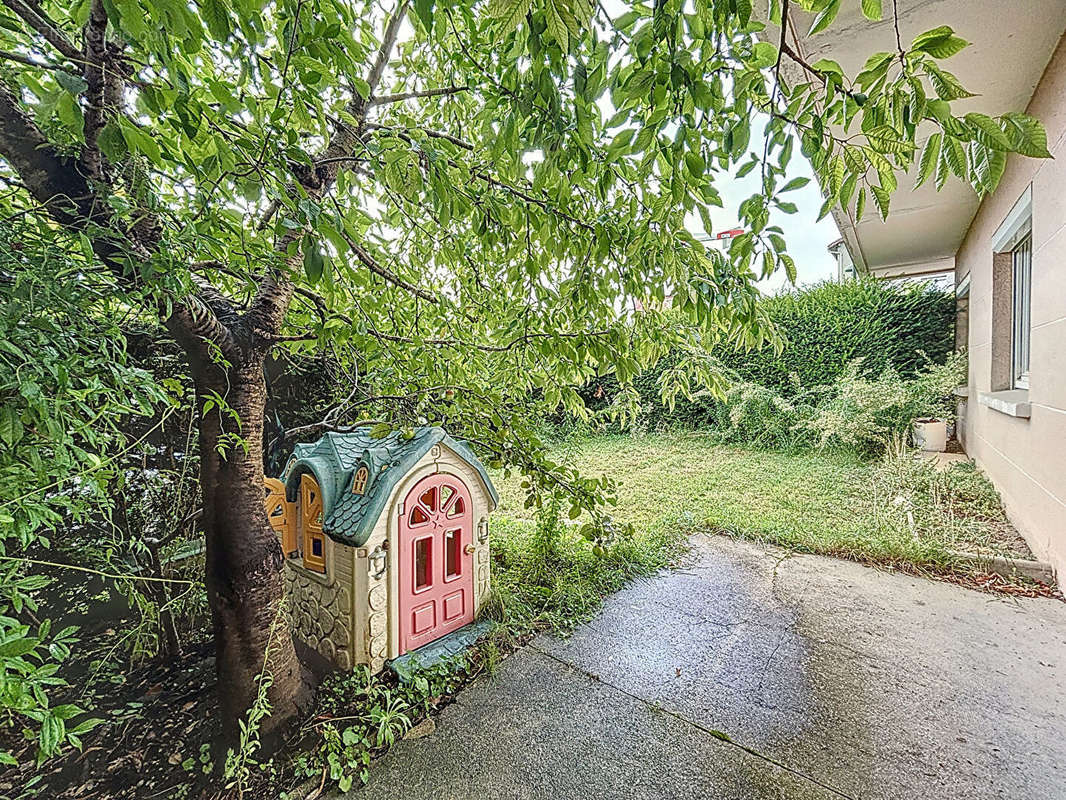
(1015, 236)
(1021, 311)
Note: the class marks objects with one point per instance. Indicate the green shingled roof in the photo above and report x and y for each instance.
(350, 518)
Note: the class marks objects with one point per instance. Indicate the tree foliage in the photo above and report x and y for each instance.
(458, 201)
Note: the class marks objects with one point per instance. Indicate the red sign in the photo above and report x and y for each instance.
(729, 234)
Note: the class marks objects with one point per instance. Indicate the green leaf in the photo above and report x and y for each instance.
(216, 15)
(111, 142)
(1027, 135)
(939, 42)
(696, 165)
(131, 18)
(946, 85)
(795, 183)
(424, 12)
(508, 13)
(790, 267)
(52, 732)
(85, 726)
(931, 35)
(988, 131)
(565, 20)
(74, 84)
(69, 113)
(18, 646)
(946, 48)
(882, 198)
(825, 17)
(930, 155)
(955, 156)
(314, 261)
(361, 86)
(765, 55)
(828, 65)
(871, 9)
(744, 9)
(10, 425)
(140, 142)
(380, 430)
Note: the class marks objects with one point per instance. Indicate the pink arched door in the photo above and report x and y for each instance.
(436, 562)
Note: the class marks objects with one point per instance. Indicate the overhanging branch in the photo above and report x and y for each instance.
(401, 96)
(45, 27)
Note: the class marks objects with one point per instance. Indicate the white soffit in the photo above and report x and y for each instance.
(1011, 45)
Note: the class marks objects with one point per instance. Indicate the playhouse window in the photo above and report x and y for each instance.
(359, 481)
(423, 563)
(458, 508)
(314, 541)
(280, 514)
(453, 554)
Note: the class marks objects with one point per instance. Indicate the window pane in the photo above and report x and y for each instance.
(453, 550)
(1023, 276)
(458, 508)
(423, 563)
(316, 547)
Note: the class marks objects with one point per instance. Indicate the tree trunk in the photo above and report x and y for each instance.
(244, 559)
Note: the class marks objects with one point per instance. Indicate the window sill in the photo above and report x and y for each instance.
(297, 563)
(1013, 402)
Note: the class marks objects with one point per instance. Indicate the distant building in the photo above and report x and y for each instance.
(845, 266)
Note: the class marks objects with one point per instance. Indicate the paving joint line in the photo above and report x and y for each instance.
(721, 736)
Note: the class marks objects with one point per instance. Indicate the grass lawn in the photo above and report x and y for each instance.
(896, 511)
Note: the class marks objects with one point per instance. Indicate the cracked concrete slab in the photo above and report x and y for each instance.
(872, 684)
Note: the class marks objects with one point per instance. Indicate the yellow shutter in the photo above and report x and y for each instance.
(280, 514)
(314, 541)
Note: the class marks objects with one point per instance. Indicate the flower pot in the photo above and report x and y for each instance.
(930, 435)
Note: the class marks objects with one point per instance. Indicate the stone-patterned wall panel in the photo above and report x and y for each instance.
(376, 631)
(319, 614)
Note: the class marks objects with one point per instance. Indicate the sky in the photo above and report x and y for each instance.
(807, 239)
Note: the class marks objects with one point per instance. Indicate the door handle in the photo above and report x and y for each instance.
(469, 549)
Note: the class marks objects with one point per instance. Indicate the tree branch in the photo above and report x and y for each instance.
(54, 181)
(45, 27)
(59, 184)
(274, 290)
(397, 98)
(29, 62)
(95, 75)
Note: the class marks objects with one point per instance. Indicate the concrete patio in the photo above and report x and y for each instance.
(754, 674)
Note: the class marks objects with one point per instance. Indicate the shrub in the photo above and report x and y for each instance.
(823, 329)
(830, 325)
(856, 412)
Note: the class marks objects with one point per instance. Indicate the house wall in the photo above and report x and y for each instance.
(1025, 457)
(320, 606)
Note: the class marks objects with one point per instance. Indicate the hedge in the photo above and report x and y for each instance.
(824, 327)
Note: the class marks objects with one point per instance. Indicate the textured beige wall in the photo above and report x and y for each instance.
(320, 606)
(1026, 457)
